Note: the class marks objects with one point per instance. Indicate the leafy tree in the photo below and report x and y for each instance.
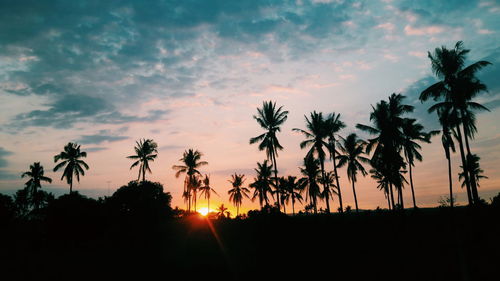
(413, 133)
(145, 151)
(334, 125)
(457, 87)
(311, 173)
(316, 135)
(270, 119)
(207, 190)
(237, 192)
(71, 159)
(351, 155)
(192, 162)
(36, 176)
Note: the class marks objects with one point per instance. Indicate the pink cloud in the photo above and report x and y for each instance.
(427, 30)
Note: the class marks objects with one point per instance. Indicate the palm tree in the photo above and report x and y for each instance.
(222, 211)
(194, 185)
(237, 193)
(458, 86)
(446, 119)
(293, 190)
(70, 158)
(262, 184)
(413, 132)
(334, 125)
(387, 126)
(351, 154)
(329, 180)
(474, 169)
(36, 176)
(206, 190)
(311, 174)
(145, 150)
(191, 160)
(315, 137)
(270, 119)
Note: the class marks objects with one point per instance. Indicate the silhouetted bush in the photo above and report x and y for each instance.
(7, 208)
(495, 201)
(140, 200)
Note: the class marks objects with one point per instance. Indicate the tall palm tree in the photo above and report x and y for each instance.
(71, 158)
(334, 125)
(387, 119)
(413, 133)
(316, 135)
(329, 180)
(237, 192)
(311, 173)
(458, 85)
(145, 150)
(351, 154)
(262, 183)
(206, 190)
(270, 119)
(36, 176)
(446, 119)
(192, 162)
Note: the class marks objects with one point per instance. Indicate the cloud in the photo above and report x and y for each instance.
(427, 30)
(102, 136)
(3, 154)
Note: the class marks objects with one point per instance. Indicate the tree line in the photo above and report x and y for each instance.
(389, 155)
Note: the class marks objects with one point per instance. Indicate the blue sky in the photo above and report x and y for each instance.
(191, 74)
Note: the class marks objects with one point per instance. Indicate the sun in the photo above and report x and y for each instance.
(203, 211)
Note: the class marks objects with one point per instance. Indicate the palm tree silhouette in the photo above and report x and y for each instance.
(458, 86)
(351, 154)
(311, 172)
(262, 184)
(221, 211)
(329, 180)
(270, 119)
(413, 132)
(191, 160)
(70, 158)
(315, 137)
(293, 190)
(474, 169)
(36, 176)
(206, 190)
(237, 193)
(194, 185)
(447, 120)
(334, 125)
(387, 126)
(145, 150)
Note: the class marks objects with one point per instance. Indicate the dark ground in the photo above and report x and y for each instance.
(426, 244)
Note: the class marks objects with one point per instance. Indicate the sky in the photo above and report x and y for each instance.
(190, 74)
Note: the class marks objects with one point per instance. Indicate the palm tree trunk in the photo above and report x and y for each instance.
(208, 205)
(325, 186)
(388, 201)
(392, 196)
(411, 185)
(464, 165)
(143, 173)
(401, 201)
(472, 180)
(449, 178)
(336, 175)
(276, 179)
(71, 186)
(355, 198)
(293, 204)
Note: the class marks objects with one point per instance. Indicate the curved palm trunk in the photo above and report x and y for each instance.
(325, 186)
(273, 155)
(472, 180)
(336, 176)
(464, 165)
(355, 198)
(412, 190)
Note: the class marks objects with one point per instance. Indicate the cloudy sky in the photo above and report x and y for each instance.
(192, 73)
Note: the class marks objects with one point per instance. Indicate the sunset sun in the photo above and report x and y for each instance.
(204, 211)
